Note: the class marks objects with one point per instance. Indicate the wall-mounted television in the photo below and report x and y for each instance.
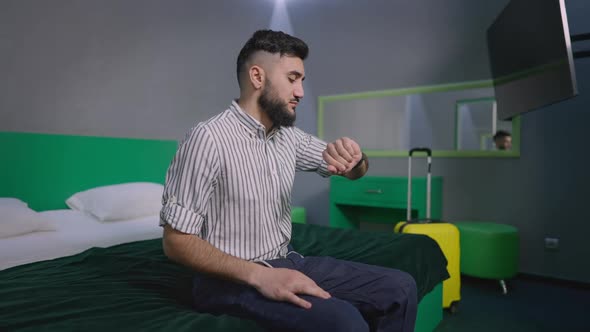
(530, 56)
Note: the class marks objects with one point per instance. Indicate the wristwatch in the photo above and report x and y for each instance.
(363, 158)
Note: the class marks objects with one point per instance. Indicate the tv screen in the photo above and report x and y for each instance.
(530, 56)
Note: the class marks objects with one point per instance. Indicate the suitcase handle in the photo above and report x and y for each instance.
(428, 151)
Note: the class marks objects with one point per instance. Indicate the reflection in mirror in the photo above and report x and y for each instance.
(451, 119)
(375, 123)
(502, 140)
(478, 127)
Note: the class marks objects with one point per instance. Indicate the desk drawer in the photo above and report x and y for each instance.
(348, 197)
(371, 191)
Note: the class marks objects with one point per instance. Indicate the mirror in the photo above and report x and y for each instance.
(454, 120)
(477, 123)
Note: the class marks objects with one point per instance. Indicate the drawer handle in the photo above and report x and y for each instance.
(374, 191)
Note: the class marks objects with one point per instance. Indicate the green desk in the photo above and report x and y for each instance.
(377, 199)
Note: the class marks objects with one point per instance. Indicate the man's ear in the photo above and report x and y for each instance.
(257, 76)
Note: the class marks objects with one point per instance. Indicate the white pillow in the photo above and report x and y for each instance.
(18, 220)
(10, 201)
(119, 201)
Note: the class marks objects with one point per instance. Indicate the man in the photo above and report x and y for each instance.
(503, 140)
(226, 210)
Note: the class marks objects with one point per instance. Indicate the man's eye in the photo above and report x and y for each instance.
(291, 79)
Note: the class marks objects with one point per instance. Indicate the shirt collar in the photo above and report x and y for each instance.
(248, 121)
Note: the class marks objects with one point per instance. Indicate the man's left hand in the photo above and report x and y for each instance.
(342, 155)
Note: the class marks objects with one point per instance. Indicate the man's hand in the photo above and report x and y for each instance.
(342, 155)
(281, 284)
(274, 283)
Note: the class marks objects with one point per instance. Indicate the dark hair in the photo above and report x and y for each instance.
(272, 42)
(501, 134)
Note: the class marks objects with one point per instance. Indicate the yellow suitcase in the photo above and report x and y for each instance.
(445, 234)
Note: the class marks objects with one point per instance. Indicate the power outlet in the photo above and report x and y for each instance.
(551, 243)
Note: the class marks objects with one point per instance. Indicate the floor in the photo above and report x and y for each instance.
(532, 304)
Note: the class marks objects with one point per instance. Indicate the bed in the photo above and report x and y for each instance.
(74, 233)
(127, 283)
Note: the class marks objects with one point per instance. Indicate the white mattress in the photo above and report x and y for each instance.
(75, 233)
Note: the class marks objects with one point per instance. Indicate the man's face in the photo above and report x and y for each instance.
(283, 90)
(504, 143)
(275, 108)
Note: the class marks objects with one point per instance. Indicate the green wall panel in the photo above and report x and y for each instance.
(45, 169)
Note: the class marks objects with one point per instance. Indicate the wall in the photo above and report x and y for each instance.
(149, 68)
(132, 68)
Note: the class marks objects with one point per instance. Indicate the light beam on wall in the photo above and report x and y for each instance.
(306, 112)
(280, 18)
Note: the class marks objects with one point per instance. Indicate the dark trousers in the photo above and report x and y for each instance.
(364, 298)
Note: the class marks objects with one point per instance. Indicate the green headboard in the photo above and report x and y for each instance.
(45, 169)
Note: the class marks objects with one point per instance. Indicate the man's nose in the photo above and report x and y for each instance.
(298, 92)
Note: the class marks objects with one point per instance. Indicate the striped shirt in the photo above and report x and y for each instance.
(230, 183)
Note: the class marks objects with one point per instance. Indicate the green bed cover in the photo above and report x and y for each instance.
(134, 287)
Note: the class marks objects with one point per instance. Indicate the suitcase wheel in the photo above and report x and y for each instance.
(454, 307)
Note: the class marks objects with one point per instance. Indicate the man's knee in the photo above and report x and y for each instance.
(347, 320)
(408, 284)
(398, 287)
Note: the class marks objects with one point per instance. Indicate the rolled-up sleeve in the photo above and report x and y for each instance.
(309, 154)
(190, 181)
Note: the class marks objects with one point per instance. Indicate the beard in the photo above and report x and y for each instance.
(276, 110)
